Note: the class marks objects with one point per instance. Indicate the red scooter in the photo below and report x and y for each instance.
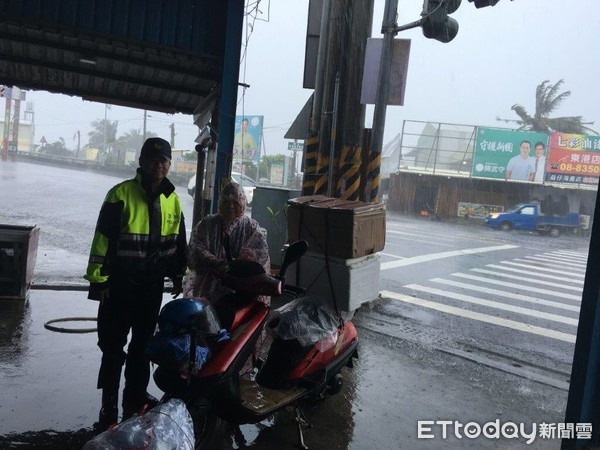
(225, 378)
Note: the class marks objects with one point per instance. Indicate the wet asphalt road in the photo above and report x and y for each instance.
(49, 398)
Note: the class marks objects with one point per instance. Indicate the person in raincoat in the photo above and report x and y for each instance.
(207, 259)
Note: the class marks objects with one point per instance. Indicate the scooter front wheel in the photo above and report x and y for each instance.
(206, 424)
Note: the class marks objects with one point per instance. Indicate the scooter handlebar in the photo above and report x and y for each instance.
(297, 290)
(261, 284)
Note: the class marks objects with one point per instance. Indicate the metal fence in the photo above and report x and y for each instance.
(436, 148)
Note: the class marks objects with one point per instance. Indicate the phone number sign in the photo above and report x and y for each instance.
(573, 158)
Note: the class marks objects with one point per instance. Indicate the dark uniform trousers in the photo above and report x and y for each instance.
(131, 306)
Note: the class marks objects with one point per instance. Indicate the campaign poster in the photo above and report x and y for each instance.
(510, 155)
(573, 158)
(247, 138)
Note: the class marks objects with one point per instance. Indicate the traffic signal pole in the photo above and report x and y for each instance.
(388, 29)
(7, 112)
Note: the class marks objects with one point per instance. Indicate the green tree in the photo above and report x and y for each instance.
(190, 156)
(264, 168)
(57, 148)
(103, 137)
(547, 100)
(131, 140)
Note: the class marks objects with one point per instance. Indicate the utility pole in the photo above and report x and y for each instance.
(388, 29)
(311, 152)
(7, 111)
(351, 119)
(349, 25)
(78, 143)
(333, 61)
(104, 133)
(144, 132)
(315, 124)
(16, 92)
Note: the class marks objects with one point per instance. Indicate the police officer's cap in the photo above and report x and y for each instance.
(156, 146)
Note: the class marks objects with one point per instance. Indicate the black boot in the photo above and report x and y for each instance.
(109, 413)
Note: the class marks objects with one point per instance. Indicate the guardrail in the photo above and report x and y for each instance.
(179, 179)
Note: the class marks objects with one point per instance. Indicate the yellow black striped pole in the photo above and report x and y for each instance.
(349, 183)
(322, 175)
(373, 177)
(310, 165)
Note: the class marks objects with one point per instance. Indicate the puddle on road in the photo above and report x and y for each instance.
(49, 398)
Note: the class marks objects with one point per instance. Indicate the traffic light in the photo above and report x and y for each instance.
(435, 21)
(483, 3)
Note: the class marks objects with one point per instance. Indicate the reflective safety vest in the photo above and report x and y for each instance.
(137, 235)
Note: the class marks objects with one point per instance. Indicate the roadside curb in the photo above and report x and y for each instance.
(377, 324)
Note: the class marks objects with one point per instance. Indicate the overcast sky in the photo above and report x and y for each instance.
(500, 55)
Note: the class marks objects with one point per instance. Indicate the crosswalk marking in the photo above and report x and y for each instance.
(435, 256)
(405, 233)
(412, 239)
(529, 280)
(512, 296)
(562, 260)
(574, 254)
(390, 255)
(518, 286)
(553, 263)
(542, 275)
(567, 257)
(495, 305)
(552, 274)
(482, 317)
(532, 267)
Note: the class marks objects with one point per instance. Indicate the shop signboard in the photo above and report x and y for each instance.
(573, 158)
(509, 155)
(247, 138)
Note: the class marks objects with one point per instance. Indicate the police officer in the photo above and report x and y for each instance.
(139, 240)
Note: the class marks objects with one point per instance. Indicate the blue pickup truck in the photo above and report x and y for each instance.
(529, 216)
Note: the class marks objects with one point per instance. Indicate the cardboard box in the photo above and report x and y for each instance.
(341, 228)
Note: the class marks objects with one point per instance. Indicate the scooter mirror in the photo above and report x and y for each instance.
(293, 253)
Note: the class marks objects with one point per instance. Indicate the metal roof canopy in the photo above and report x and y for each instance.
(161, 55)
(173, 56)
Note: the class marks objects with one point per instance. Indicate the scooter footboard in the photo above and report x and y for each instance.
(284, 356)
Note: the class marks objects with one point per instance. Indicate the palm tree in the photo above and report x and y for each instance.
(547, 100)
(131, 140)
(57, 148)
(103, 136)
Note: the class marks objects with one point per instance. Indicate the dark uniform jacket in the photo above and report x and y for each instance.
(140, 236)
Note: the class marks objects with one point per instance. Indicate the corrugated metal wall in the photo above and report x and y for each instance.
(193, 25)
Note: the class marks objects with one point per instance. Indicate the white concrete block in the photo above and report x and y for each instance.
(353, 281)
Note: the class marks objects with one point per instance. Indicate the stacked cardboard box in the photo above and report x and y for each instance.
(341, 228)
(344, 236)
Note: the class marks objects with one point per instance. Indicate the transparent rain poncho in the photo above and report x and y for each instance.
(307, 319)
(167, 426)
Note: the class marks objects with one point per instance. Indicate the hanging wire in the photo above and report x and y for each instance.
(251, 15)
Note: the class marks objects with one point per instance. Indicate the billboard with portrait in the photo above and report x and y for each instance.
(510, 155)
(573, 158)
(247, 138)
